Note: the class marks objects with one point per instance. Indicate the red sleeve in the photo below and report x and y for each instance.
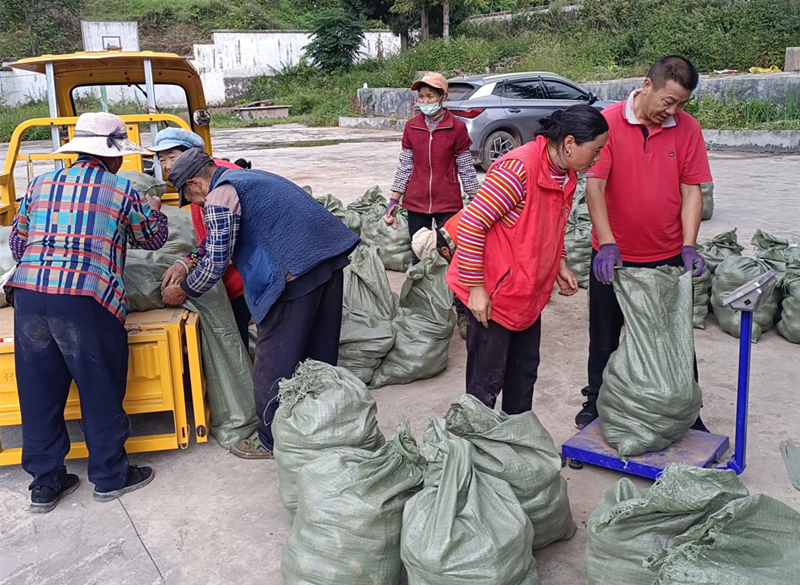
(406, 142)
(602, 170)
(695, 169)
(463, 143)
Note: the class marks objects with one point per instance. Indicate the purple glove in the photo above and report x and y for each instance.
(392, 207)
(605, 261)
(691, 259)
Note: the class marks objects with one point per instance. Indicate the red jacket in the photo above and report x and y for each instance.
(231, 279)
(521, 262)
(434, 186)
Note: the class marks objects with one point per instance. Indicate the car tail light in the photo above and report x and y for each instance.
(468, 113)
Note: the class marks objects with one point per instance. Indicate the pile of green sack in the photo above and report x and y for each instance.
(578, 238)
(649, 397)
(350, 218)
(695, 526)
(394, 245)
(463, 508)
(423, 326)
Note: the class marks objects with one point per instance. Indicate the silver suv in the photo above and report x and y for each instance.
(503, 111)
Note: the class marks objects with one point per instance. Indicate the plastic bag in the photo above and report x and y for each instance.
(518, 449)
(465, 527)
(578, 238)
(394, 246)
(702, 297)
(350, 218)
(751, 541)
(721, 246)
(629, 525)
(708, 200)
(369, 307)
(423, 326)
(649, 397)
(730, 275)
(350, 513)
(322, 407)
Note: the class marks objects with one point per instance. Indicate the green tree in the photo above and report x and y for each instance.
(336, 40)
(42, 26)
(423, 7)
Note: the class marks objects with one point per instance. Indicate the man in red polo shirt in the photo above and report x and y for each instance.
(645, 201)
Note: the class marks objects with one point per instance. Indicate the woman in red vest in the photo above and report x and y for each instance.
(510, 251)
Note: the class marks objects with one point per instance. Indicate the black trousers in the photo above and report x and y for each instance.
(606, 321)
(241, 312)
(499, 359)
(417, 221)
(58, 339)
(295, 330)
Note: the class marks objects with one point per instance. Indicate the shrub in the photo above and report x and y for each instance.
(336, 40)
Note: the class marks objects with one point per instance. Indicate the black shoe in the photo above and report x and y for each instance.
(44, 499)
(138, 477)
(699, 426)
(589, 411)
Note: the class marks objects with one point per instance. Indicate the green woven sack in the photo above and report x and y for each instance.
(465, 527)
(730, 275)
(145, 184)
(181, 240)
(702, 297)
(578, 237)
(789, 325)
(350, 218)
(350, 513)
(721, 246)
(708, 200)
(423, 326)
(518, 449)
(751, 541)
(369, 307)
(629, 524)
(649, 397)
(322, 407)
(773, 251)
(394, 246)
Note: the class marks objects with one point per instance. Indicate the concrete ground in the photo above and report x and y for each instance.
(212, 518)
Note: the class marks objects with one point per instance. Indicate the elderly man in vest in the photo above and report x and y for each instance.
(69, 239)
(290, 252)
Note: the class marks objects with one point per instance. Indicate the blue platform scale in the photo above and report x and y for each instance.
(695, 448)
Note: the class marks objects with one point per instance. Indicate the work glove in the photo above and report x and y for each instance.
(692, 260)
(606, 260)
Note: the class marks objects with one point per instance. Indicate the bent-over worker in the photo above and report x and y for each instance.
(645, 202)
(510, 252)
(69, 240)
(290, 252)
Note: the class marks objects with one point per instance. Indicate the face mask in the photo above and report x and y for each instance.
(430, 109)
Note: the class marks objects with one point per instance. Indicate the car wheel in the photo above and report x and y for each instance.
(496, 145)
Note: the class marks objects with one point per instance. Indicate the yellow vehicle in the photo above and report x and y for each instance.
(159, 378)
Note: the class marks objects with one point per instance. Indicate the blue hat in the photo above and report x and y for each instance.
(175, 138)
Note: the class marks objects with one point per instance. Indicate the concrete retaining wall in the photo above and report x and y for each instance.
(765, 86)
(372, 123)
(387, 101)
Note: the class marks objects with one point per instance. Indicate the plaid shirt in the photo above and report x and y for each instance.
(70, 234)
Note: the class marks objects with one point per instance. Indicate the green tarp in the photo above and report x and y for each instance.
(350, 513)
(730, 275)
(718, 248)
(629, 524)
(465, 527)
(649, 397)
(751, 541)
(394, 246)
(322, 408)
(519, 450)
(578, 238)
(423, 326)
(368, 309)
(227, 367)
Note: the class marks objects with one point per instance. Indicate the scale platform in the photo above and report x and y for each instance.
(695, 448)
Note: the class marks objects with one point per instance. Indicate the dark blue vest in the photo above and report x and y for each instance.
(283, 231)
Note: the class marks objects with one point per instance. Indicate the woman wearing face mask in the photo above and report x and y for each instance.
(510, 243)
(435, 153)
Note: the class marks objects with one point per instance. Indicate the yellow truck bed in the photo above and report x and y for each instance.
(156, 341)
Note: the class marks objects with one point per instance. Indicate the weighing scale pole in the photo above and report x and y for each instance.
(737, 463)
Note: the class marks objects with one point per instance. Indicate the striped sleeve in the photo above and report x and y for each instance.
(502, 191)
(18, 239)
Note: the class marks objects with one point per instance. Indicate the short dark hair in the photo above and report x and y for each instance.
(582, 122)
(676, 68)
(436, 90)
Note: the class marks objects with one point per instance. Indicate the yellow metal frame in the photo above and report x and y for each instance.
(155, 383)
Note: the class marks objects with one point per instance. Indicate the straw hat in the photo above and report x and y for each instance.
(101, 134)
